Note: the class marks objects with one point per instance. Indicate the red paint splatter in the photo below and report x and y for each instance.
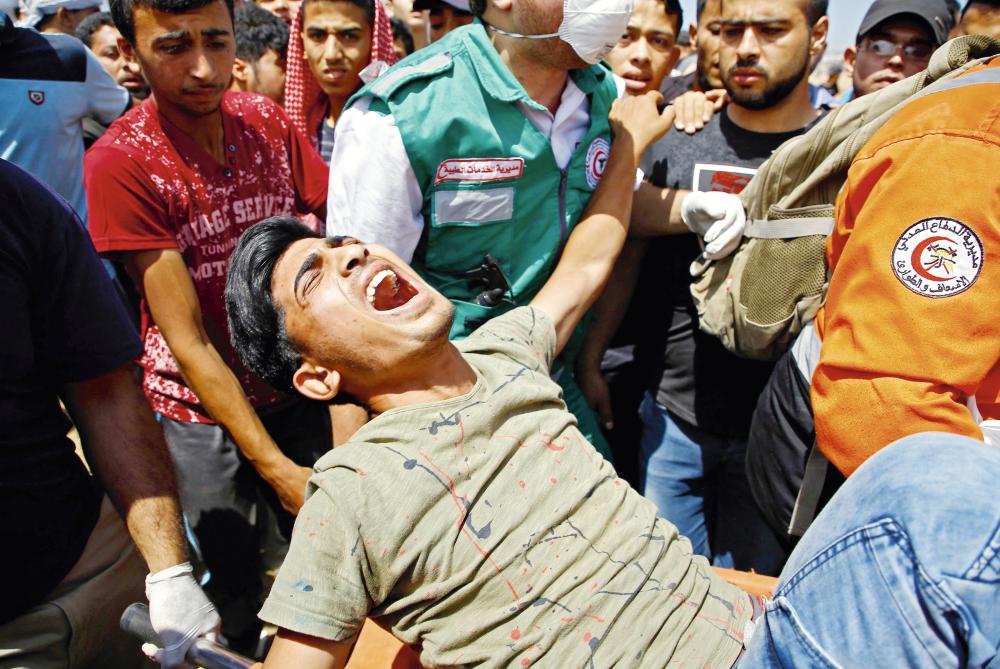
(515, 634)
(520, 444)
(525, 662)
(520, 483)
(549, 444)
(588, 636)
(468, 535)
(360, 471)
(593, 617)
(553, 481)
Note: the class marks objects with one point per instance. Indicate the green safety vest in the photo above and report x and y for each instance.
(489, 179)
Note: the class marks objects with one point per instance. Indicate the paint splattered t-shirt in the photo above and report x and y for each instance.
(150, 186)
(486, 531)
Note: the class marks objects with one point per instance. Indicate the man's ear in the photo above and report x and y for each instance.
(315, 382)
(818, 37)
(240, 69)
(63, 21)
(693, 34)
(850, 55)
(502, 5)
(675, 55)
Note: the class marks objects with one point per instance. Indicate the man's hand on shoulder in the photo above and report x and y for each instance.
(694, 109)
(289, 482)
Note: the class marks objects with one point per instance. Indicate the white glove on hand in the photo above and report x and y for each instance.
(718, 218)
(179, 611)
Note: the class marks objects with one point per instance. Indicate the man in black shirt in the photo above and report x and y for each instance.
(700, 398)
(70, 568)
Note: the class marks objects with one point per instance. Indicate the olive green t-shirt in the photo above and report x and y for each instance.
(487, 532)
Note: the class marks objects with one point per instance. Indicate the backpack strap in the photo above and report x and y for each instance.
(988, 76)
(789, 228)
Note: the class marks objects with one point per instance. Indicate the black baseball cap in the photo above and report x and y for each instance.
(460, 5)
(932, 12)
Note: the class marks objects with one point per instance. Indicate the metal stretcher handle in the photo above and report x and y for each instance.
(202, 653)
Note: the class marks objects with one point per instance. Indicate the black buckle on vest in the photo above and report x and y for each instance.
(491, 282)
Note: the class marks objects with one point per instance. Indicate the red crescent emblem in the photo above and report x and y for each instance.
(919, 250)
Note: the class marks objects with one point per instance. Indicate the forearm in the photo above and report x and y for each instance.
(292, 650)
(657, 211)
(597, 239)
(223, 397)
(125, 448)
(610, 308)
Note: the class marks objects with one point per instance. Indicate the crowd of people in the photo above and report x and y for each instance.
(399, 296)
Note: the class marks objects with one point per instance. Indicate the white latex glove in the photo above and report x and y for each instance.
(718, 218)
(179, 611)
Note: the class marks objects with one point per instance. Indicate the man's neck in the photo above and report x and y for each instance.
(793, 113)
(442, 375)
(335, 108)
(542, 83)
(205, 131)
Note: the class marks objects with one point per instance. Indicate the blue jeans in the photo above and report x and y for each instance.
(901, 569)
(698, 482)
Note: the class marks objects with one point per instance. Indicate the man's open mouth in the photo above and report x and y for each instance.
(387, 291)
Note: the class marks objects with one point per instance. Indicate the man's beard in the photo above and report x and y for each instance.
(773, 93)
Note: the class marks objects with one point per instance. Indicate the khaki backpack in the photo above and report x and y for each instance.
(757, 299)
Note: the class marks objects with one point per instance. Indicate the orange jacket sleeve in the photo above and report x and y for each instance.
(911, 325)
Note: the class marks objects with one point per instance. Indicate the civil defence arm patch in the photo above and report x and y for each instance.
(938, 257)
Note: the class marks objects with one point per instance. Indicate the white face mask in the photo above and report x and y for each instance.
(591, 27)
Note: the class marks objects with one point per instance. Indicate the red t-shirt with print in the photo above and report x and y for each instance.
(149, 186)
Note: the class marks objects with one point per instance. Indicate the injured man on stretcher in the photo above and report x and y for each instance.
(472, 520)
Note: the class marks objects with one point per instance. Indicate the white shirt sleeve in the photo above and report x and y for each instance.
(106, 100)
(373, 194)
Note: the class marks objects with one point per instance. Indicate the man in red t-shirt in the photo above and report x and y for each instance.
(171, 187)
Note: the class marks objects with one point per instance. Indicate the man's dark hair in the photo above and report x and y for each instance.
(367, 5)
(676, 12)
(90, 25)
(258, 30)
(815, 9)
(256, 323)
(477, 7)
(123, 11)
(402, 31)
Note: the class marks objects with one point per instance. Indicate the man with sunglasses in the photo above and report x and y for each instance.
(895, 40)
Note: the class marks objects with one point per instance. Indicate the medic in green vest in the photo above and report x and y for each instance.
(506, 135)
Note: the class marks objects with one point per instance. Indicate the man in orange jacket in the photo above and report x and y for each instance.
(911, 325)
(910, 329)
